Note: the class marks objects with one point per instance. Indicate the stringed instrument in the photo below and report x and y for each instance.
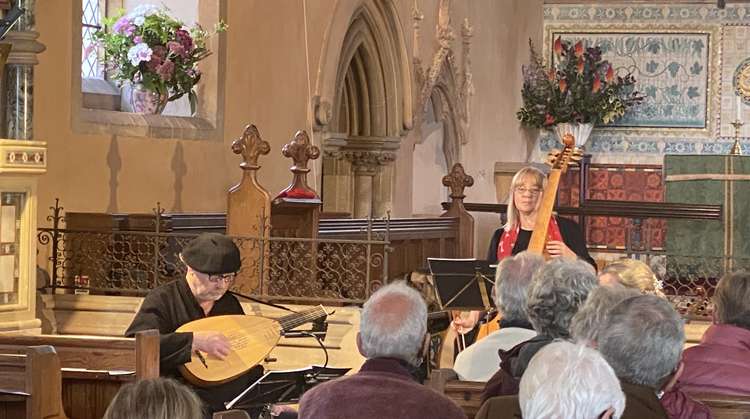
(559, 161)
(251, 339)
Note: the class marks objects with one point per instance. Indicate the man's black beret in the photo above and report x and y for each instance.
(212, 253)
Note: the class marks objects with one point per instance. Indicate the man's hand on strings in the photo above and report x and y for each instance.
(213, 343)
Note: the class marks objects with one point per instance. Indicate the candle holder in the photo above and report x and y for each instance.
(736, 149)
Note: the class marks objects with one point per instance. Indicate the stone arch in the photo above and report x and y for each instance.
(371, 109)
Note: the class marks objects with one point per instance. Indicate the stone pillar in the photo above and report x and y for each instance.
(19, 75)
(21, 160)
(372, 184)
(363, 175)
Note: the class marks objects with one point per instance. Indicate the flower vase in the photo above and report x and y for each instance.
(143, 100)
(580, 132)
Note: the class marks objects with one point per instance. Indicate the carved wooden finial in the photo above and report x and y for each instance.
(300, 151)
(251, 146)
(457, 180)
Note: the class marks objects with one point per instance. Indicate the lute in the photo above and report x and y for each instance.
(559, 161)
(251, 339)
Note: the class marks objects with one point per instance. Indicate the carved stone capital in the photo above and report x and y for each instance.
(250, 145)
(366, 162)
(457, 180)
(25, 47)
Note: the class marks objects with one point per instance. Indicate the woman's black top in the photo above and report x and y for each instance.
(569, 230)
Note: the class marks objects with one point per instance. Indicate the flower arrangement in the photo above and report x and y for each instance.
(580, 87)
(147, 46)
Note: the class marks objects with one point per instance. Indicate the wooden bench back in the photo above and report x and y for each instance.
(139, 354)
(724, 406)
(34, 377)
(468, 396)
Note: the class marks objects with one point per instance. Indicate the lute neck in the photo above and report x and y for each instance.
(291, 321)
(538, 239)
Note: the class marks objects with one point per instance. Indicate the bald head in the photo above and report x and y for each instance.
(393, 323)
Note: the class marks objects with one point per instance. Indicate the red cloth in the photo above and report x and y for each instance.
(720, 363)
(508, 240)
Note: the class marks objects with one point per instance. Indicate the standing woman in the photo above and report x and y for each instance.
(564, 237)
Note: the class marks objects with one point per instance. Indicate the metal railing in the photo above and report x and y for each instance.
(279, 268)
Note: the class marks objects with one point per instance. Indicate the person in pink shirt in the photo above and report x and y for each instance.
(721, 362)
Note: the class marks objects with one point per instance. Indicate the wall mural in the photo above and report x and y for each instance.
(684, 57)
(672, 70)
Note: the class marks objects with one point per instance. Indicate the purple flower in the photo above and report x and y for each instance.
(139, 53)
(121, 24)
(137, 39)
(177, 49)
(183, 37)
(193, 72)
(165, 70)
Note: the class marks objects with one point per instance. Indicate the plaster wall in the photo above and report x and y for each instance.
(278, 57)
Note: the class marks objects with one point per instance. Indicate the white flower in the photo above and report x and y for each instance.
(139, 53)
(144, 10)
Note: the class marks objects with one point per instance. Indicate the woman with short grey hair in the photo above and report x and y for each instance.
(587, 323)
(557, 290)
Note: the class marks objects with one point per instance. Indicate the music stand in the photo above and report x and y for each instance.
(462, 284)
(283, 387)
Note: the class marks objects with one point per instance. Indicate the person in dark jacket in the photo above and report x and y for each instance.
(392, 336)
(563, 380)
(212, 261)
(556, 292)
(642, 339)
(721, 362)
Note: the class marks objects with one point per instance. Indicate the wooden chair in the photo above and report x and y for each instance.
(724, 406)
(31, 384)
(466, 394)
(94, 368)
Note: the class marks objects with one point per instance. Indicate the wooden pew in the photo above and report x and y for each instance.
(30, 384)
(725, 407)
(466, 394)
(94, 368)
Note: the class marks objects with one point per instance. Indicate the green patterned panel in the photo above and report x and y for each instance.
(693, 237)
(741, 209)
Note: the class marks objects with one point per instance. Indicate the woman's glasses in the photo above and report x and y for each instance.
(533, 191)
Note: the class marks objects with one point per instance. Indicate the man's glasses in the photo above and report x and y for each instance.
(522, 190)
(228, 278)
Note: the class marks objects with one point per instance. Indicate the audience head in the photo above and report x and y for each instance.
(512, 281)
(556, 292)
(159, 398)
(631, 273)
(642, 339)
(588, 321)
(528, 177)
(393, 324)
(732, 300)
(566, 380)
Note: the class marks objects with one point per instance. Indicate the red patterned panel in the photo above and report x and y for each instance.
(621, 183)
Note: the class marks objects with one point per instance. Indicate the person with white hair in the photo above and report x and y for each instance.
(480, 361)
(563, 380)
(556, 292)
(392, 336)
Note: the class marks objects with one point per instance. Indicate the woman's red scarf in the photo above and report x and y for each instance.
(509, 237)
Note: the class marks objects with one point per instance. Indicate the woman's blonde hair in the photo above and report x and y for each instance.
(158, 398)
(540, 181)
(633, 273)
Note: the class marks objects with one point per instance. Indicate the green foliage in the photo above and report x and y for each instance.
(150, 47)
(581, 87)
